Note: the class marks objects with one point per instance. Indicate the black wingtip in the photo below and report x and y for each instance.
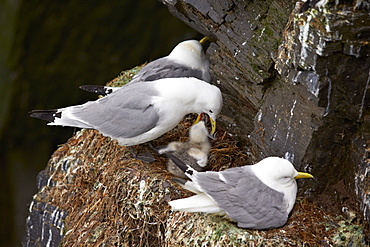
(48, 115)
(183, 167)
(98, 89)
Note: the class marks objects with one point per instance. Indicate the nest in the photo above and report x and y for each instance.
(113, 199)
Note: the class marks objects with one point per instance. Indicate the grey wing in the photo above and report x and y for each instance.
(255, 205)
(123, 113)
(244, 198)
(165, 68)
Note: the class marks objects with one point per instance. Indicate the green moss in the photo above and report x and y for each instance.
(124, 77)
(349, 234)
(268, 31)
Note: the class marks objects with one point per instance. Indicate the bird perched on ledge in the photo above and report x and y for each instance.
(258, 196)
(193, 152)
(141, 112)
(187, 59)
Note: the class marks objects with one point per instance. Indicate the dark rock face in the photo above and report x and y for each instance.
(45, 223)
(295, 85)
(316, 56)
(244, 34)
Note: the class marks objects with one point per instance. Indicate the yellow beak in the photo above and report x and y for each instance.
(204, 40)
(303, 175)
(198, 119)
(213, 123)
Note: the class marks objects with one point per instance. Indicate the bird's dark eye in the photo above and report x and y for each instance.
(210, 111)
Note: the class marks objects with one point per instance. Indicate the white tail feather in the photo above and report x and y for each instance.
(190, 186)
(198, 203)
(68, 119)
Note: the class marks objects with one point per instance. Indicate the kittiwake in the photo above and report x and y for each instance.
(141, 112)
(187, 59)
(193, 152)
(258, 196)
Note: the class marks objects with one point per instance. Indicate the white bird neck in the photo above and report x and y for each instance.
(280, 180)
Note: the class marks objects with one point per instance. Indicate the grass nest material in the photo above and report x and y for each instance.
(113, 199)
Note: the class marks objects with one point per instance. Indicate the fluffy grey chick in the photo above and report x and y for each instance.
(193, 152)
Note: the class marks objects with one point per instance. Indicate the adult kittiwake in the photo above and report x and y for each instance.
(258, 196)
(187, 59)
(141, 112)
(193, 152)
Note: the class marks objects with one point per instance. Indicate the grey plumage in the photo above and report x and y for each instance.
(167, 68)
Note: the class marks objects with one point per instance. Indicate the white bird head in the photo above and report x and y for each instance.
(190, 53)
(211, 105)
(279, 174)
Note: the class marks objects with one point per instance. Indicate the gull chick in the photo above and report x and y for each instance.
(141, 112)
(258, 196)
(187, 59)
(193, 153)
